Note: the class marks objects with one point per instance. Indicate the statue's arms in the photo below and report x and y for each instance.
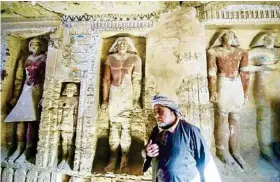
(137, 79)
(18, 80)
(244, 74)
(106, 83)
(212, 75)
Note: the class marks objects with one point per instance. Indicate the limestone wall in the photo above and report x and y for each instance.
(172, 48)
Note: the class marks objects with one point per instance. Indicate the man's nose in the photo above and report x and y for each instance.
(156, 115)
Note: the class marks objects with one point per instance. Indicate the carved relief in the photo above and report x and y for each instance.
(7, 175)
(264, 57)
(120, 96)
(25, 101)
(228, 86)
(31, 176)
(67, 121)
(44, 177)
(19, 175)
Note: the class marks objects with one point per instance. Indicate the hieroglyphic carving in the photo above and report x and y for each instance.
(55, 38)
(7, 175)
(32, 176)
(19, 175)
(86, 139)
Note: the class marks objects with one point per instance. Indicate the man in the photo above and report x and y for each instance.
(177, 148)
(121, 92)
(228, 87)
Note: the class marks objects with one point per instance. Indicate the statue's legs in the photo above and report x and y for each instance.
(31, 138)
(66, 149)
(125, 145)
(222, 138)
(20, 142)
(264, 131)
(114, 142)
(234, 139)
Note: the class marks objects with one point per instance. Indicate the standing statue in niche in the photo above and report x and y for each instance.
(68, 110)
(228, 87)
(264, 57)
(26, 109)
(121, 92)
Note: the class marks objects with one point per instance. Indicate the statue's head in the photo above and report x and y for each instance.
(70, 90)
(123, 44)
(225, 37)
(265, 39)
(36, 45)
(269, 40)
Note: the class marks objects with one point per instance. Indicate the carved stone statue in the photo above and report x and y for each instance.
(68, 109)
(121, 90)
(264, 57)
(26, 100)
(228, 87)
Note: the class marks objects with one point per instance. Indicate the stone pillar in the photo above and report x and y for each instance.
(48, 132)
(176, 66)
(86, 138)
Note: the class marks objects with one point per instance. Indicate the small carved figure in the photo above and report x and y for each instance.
(228, 87)
(264, 57)
(26, 107)
(121, 91)
(68, 109)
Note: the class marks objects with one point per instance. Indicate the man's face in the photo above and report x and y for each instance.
(35, 47)
(122, 45)
(163, 115)
(228, 38)
(70, 90)
(269, 41)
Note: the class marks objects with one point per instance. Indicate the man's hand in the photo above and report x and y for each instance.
(214, 97)
(152, 150)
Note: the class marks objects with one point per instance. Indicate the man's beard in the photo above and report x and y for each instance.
(165, 124)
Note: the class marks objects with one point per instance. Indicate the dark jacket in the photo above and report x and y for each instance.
(182, 157)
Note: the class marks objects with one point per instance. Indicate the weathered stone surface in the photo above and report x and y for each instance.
(7, 175)
(31, 176)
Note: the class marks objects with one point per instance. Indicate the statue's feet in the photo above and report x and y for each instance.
(61, 164)
(111, 166)
(266, 152)
(226, 158)
(22, 159)
(14, 156)
(64, 165)
(124, 167)
(239, 159)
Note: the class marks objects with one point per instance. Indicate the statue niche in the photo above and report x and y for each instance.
(121, 93)
(67, 122)
(228, 87)
(26, 101)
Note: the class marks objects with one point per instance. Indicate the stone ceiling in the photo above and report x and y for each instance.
(54, 10)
